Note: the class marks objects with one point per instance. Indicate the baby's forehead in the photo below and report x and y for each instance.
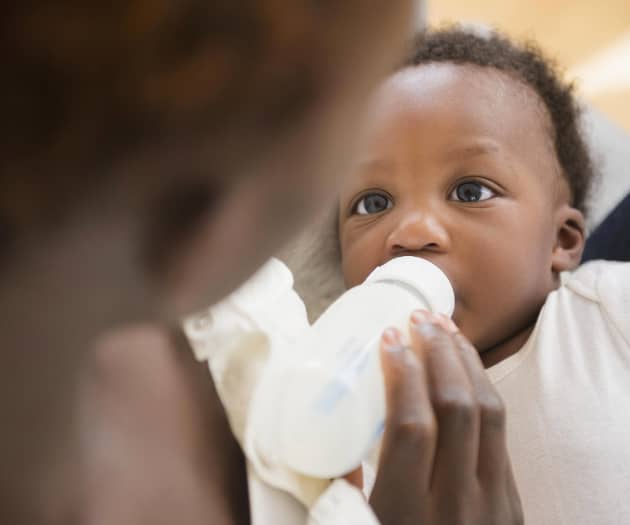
(444, 102)
(446, 84)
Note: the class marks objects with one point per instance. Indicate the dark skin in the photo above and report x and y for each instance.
(458, 168)
(444, 443)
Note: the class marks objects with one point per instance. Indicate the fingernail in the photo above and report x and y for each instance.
(427, 329)
(420, 317)
(448, 324)
(390, 336)
(392, 340)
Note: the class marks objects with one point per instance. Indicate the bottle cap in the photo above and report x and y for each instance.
(424, 277)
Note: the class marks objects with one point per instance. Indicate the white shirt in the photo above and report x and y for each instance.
(567, 397)
(237, 338)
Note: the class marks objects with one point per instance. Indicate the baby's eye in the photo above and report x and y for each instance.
(372, 203)
(471, 191)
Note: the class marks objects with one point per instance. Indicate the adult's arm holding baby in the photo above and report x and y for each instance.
(444, 456)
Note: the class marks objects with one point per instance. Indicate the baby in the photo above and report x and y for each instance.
(473, 159)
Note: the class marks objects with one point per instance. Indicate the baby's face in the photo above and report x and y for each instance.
(458, 167)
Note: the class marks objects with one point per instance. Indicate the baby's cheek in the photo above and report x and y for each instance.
(480, 321)
(353, 264)
(352, 271)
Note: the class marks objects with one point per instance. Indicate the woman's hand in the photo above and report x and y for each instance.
(444, 458)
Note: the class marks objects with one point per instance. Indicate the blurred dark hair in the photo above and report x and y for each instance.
(88, 85)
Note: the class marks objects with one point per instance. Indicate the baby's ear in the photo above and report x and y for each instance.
(569, 245)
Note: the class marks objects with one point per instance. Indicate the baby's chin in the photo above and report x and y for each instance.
(476, 331)
(460, 318)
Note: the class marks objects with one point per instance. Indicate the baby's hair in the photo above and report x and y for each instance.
(89, 88)
(527, 64)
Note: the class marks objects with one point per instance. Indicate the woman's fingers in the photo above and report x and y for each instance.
(492, 460)
(454, 403)
(444, 458)
(408, 447)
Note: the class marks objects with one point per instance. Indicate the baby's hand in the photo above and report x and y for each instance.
(444, 457)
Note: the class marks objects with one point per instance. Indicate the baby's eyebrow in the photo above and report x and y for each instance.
(484, 147)
(376, 165)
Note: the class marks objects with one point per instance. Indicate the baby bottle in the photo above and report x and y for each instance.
(327, 409)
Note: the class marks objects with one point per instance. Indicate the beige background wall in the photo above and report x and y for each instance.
(590, 38)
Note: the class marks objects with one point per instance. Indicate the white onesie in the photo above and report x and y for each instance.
(567, 397)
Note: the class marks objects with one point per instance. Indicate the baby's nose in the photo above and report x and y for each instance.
(418, 232)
